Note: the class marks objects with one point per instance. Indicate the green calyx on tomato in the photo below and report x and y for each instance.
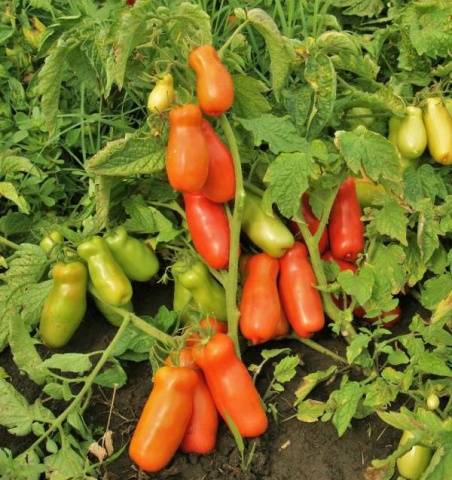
(65, 305)
(208, 295)
(51, 240)
(412, 464)
(108, 278)
(267, 232)
(135, 257)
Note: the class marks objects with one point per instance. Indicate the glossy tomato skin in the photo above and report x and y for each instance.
(65, 305)
(138, 261)
(267, 232)
(300, 299)
(231, 385)
(346, 229)
(164, 419)
(413, 464)
(107, 277)
(342, 264)
(220, 183)
(312, 222)
(51, 240)
(187, 157)
(209, 229)
(412, 136)
(283, 327)
(107, 311)
(214, 85)
(260, 308)
(438, 123)
(208, 295)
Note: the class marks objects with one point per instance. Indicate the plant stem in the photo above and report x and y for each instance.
(319, 348)
(8, 243)
(231, 38)
(89, 381)
(236, 223)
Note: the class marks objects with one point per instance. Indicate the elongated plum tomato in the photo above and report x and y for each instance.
(220, 183)
(438, 123)
(214, 85)
(187, 157)
(260, 308)
(164, 419)
(201, 434)
(412, 136)
(300, 299)
(312, 222)
(209, 229)
(162, 95)
(231, 385)
(414, 463)
(346, 230)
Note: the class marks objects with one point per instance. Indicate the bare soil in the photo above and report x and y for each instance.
(290, 449)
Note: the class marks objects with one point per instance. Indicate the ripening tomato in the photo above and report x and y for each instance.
(283, 327)
(214, 85)
(187, 157)
(300, 299)
(209, 229)
(312, 222)
(231, 385)
(342, 264)
(162, 95)
(260, 308)
(346, 229)
(220, 183)
(164, 419)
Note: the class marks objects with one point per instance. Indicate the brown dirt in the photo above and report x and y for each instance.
(290, 450)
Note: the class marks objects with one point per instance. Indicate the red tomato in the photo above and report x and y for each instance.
(342, 264)
(187, 156)
(300, 299)
(260, 308)
(346, 230)
(231, 385)
(312, 222)
(164, 419)
(211, 326)
(209, 229)
(214, 85)
(282, 328)
(220, 184)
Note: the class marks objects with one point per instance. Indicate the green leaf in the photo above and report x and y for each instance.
(359, 284)
(54, 390)
(113, 377)
(391, 220)
(379, 394)
(360, 8)
(8, 191)
(26, 266)
(432, 364)
(398, 357)
(249, 99)
(69, 362)
(357, 346)
(345, 401)
(358, 149)
(274, 352)
(135, 154)
(281, 53)
(25, 355)
(321, 77)
(286, 368)
(310, 411)
(310, 381)
(435, 289)
(16, 414)
(65, 464)
(50, 78)
(288, 178)
(298, 104)
(403, 420)
(441, 463)
(424, 181)
(278, 132)
(14, 163)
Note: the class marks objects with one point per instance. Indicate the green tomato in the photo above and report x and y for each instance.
(359, 116)
(432, 401)
(413, 464)
(208, 295)
(51, 240)
(107, 311)
(65, 305)
(137, 260)
(438, 123)
(183, 303)
(367, 191)
(267, 232)
(394, 125)
(108, 278)
(448, 103)
(412, 136)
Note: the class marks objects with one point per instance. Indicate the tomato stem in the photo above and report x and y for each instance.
(8, 243)
(231, 38)
(235, 227)
(56, 424)
(319, 348)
